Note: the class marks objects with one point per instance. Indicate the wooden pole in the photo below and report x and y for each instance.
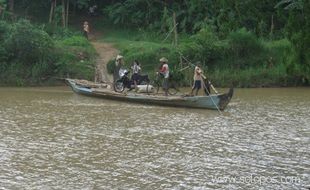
(67, 13)
(11, 6)
(175, 30)
(51, 11)
(63, 13)
(271, 27)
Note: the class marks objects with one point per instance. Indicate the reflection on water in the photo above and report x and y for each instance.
(51, 138)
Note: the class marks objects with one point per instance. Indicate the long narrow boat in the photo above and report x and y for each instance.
(218, 101)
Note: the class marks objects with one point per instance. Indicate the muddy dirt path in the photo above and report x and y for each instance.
(106, 52)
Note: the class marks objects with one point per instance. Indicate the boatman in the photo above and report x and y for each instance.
(197, 79)
(164, 70)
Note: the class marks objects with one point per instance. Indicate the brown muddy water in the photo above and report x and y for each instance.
(51, 138)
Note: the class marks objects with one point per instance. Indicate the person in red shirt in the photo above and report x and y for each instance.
(164, 71)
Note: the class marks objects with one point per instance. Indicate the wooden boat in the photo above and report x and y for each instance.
(218, 101)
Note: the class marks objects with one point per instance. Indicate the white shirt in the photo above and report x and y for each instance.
(165, 69)
(136, 69)
(197, 73)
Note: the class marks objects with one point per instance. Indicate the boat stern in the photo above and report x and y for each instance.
(225, 99)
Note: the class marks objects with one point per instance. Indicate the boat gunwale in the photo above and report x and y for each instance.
(224, 98)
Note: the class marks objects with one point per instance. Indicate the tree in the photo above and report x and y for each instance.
(64, 11)
(297, 28)
(11, 5)
(52, 10)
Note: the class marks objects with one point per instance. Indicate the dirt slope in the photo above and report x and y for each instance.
(106, 52)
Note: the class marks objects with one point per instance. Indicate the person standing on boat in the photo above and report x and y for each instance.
(136, 69)
(164, 70)
(198, 79)
(119, 62)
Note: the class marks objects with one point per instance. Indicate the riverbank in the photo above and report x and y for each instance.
(39, 55)
(241, 60)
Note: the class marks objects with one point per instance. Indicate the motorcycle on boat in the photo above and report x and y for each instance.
(126, 82)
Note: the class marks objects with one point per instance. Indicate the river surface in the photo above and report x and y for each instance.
(51, 138)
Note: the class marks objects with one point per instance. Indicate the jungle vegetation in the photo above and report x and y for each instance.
(245, 43)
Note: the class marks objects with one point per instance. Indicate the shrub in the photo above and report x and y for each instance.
(245, 49)
(28, 44)
(29, 56)
(4, 27)
(57, 32)
(111, 66)
(76, 41)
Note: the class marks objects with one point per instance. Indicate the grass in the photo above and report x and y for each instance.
(269, 70)
(251, 77)
(141, 46)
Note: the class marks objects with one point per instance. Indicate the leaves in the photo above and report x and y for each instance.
(290, 4)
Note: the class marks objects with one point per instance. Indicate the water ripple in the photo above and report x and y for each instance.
(55, 140)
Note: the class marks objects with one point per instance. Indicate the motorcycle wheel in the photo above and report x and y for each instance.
(119, 86)
(152, 88)
(173, 88)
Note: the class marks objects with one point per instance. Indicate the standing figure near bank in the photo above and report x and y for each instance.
(86, 29)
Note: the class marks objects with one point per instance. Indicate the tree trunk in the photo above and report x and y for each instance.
(272, 26)
(74, 7)
(67, 13)
(175, 30)
(51, 11)
(63, 13)
(11, 5)
(1, 10)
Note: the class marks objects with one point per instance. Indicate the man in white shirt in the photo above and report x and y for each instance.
(197, 80)
(136, 73)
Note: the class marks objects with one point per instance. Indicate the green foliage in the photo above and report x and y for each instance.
(111, 66)
(203, 46)
(177, 76)
(76, 41)
(230, 35)
(242, 59)
(76, 58)
(29, 56)
(251, 77)
(297, 31)
(56, 32)
(245, 49)
(27, 43)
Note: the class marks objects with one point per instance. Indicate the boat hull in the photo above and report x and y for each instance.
(205, 102)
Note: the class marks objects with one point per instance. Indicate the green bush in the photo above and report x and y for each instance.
(246, 50)
(57, 32)
(111, 66)
(30, 56)
(28, 44)
(75, 40)
(4, 27)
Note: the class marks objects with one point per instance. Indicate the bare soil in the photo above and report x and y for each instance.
(106, 52)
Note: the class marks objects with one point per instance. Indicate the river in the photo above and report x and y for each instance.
(51, 138)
